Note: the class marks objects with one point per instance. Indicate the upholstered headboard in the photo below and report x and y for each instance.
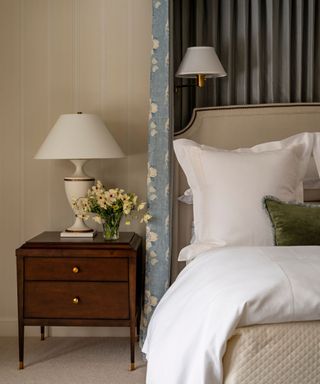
(233, 127)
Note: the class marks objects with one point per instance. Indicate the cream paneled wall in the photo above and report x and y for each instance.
(65, 56)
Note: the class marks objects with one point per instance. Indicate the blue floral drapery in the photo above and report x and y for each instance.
(158, 229)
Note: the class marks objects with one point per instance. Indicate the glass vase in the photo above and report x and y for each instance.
(110, 226)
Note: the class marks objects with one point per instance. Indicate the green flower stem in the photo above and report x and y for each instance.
(111, 225)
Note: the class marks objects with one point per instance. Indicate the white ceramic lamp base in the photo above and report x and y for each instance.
(77, 186)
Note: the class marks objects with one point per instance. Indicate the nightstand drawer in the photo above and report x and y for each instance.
(67, 300)
(76, 269)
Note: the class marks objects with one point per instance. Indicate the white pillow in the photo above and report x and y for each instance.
(228, 186)
(311, 179)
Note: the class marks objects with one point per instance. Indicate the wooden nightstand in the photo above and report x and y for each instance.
(80, 282)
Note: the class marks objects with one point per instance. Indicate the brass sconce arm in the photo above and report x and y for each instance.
(200, 82)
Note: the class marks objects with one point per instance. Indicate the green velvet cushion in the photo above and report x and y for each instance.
(294, 223)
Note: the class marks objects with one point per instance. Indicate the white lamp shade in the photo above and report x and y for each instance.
(200, 61)
(79, 136)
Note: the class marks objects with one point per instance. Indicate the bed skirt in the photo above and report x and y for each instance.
(287, 353)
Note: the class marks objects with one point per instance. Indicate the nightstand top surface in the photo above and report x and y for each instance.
(53, 240)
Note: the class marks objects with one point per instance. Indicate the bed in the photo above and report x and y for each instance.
(264, 337)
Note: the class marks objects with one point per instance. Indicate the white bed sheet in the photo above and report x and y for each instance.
(220, 290)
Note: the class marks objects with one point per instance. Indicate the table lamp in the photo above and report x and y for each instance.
(200, 63)
(78, 138)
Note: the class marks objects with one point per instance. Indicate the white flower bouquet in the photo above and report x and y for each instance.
(109, 206)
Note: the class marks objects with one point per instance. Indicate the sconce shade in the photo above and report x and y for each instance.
(200, 61)
(79, 136)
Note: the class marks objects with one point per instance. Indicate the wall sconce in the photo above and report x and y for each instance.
(200, 63)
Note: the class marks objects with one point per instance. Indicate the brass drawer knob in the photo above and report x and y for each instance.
(75, 269)
(75, 300)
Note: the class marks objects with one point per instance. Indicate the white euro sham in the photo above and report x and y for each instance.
(228, 186)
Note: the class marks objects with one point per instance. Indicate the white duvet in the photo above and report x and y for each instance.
(219, 291)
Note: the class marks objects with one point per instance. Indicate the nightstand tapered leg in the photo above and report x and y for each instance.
(42, 332)
(132, 346)
(132, 296)
(20, 286)
(21, 344)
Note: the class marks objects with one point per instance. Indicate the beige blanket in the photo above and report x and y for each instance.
(286, 353)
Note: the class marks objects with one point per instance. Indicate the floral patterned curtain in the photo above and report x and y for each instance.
(158, 229)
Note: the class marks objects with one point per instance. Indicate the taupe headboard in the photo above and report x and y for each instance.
(233, 127)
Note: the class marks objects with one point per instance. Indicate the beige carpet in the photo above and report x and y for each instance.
(59, 360)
